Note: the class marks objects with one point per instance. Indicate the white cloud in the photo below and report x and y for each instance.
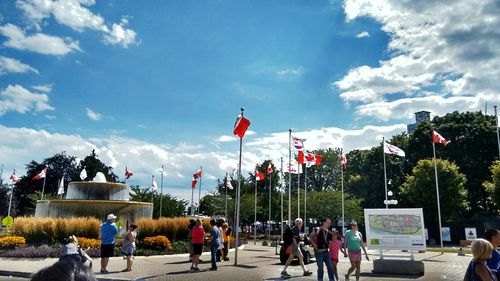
(47, 88)
(17, 98)
(38, 42)
(18, 146)
(447, 48)
(10, 65)
(291, 73)
(363, 34)
(226, 138)
(76, 15)
(93, 115)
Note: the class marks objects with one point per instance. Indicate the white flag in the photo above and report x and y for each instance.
(228, 183)
(154, 186)
(83, 174)
(392, 149)
(293, 168)
(60, 190)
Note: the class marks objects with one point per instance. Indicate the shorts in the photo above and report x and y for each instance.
(335, 260)
(295, 251)
(354, 256)
(197, 249)
(107, 250)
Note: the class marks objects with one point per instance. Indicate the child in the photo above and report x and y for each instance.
(71, 250)
(334, 247)
(128, 246)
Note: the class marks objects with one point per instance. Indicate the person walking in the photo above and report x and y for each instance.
(108, 232)
(197, 239)
(353, 244)
(214, 244)
(295, 251)
(493, 236)
(334, 247)
(321, 249)
(478, 270)
(128, 246)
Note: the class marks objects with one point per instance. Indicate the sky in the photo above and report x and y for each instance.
(152, 83)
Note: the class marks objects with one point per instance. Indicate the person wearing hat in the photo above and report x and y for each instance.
(354, 244)
(108, 232)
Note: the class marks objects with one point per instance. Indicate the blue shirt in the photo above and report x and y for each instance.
(215, 234)
(108, 232)
(494, 262)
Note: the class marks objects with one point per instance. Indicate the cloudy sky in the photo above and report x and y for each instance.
(151, 83)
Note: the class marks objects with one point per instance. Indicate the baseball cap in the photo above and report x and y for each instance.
(111, 217)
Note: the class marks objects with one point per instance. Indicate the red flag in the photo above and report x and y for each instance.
(197, 175)
(318, 159)
(269, 168)
(128, 173)
(343, 161)
(259, 176)
(193, 183)
(310, 159)
(437, 138)
(300, 157)
(240, 126)
(13, 178)
(41, 175)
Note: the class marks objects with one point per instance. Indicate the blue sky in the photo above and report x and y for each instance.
(148, 83)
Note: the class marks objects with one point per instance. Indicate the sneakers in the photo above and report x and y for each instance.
(307, 273)
(104, 271)
(285, 274)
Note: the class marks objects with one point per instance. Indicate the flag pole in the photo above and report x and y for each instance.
(225, 200)
(152, 190)
(289, 176)
(342, 184)
(255, 211)
(192, 200)
(385, 174)
(298, 189)
(11, 192)
(161, 191)
(498, 135)
(43, 186)
(1, 176)
(199, 191)
(269, 224)
(305, 199)
(281, 193)
(237, 222)
(437, 195)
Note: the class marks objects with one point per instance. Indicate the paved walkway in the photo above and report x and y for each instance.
(256, 263)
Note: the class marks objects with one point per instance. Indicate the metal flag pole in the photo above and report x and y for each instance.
(305, 199)
(192, 200)
(161, 191)
(437, 195)
(289, 176)
(255, 211)
(270, 186)
(43, 186)
(199, 191)
(152, 190)
(11, 192)
(237, 221)
(498, 135)
(298, 188)
(225, 200)
(1, 176)
(281, 193)
(385, 174)
(342, 184)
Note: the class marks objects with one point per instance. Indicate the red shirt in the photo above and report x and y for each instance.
(197, 234)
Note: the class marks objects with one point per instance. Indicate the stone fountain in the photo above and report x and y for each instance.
(96, 198)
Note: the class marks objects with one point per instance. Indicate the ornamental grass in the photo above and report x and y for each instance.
(176, 229)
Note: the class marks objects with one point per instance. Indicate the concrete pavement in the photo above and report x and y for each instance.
(255, 263)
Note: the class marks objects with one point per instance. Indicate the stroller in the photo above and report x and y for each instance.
(72, 251)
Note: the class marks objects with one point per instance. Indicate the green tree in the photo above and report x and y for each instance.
(171, 206)
(419, 191)
(57, 165)
(331, 206)
(92, 165)
(473, 148)
(493, 186)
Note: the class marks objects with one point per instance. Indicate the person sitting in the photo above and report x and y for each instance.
(65, 270)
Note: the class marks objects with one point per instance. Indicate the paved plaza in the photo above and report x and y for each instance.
(255, 263)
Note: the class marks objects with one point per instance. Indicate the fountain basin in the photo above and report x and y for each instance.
(126, 211)
(88, 190)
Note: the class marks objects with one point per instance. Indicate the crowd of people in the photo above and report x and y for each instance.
(327, 243)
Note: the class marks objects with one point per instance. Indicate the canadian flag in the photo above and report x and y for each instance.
(300, 157)
(269, 168)
(437, 138)
(193, 183)
(343, 161)
(259, 176)
(128, 174)
(392, 149)
(41, 175)
(298, 143)
(310, 159)
(318, 159)
(154, 186)
(240, 126)
(197, 174)
(13, 178)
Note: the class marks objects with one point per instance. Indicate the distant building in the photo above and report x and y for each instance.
(419, 117)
